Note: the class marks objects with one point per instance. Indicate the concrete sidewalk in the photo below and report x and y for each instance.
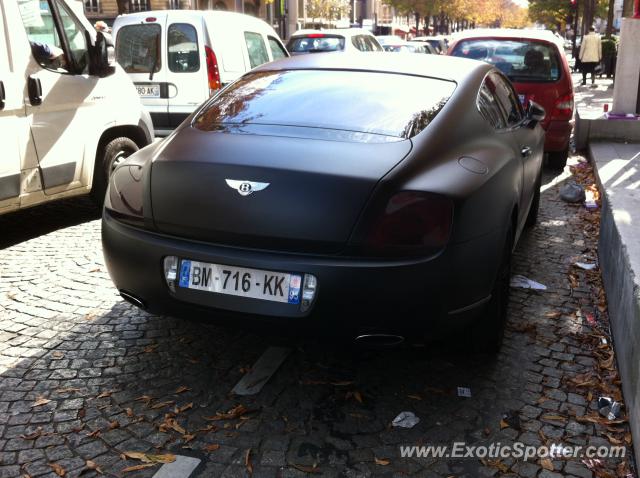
(617, 167)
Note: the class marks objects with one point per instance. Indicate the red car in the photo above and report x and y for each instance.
(535, 63)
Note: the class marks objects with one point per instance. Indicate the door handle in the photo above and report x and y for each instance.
(2, 95)
(525, 151)
(35, 91)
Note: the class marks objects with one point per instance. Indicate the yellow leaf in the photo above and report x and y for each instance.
(546, 463)
(247, 462)
(381, 461)
(105, 394)
(357, 396)
(92, 465)
(58, 469)
(135, 455)
(182, 389)
(150, 348)
(40, 401)
(503, 425)
(57, 354)
(166, 458)
(212, 447)
(129, 412)
(188, 438)
(185, 407)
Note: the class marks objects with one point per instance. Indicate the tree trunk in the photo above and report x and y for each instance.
(417, 24)
(610, 18)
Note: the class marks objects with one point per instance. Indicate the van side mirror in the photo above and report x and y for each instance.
(99, 61)
(535, 112)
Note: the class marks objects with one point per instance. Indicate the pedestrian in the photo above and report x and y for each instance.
(590, 55)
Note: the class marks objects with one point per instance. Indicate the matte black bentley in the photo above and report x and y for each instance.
(373, 194)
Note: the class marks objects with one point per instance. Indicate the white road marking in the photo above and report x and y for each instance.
(181, 468)
(262, 371)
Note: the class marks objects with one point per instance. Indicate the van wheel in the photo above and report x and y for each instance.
(558, 159)
(488, 331)
(111, 155)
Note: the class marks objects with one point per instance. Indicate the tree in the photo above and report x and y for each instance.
(328, 9)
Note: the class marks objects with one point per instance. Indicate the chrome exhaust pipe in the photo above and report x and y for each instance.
(379, 340)
(132, 299)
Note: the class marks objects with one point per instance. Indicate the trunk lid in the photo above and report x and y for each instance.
(316, 188)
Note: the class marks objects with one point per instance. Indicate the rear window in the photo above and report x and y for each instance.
(183, 53)
(138, 48)
(315, 43)
(375, 103)
(521, 60)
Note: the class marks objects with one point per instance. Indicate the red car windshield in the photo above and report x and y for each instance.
(521, 60)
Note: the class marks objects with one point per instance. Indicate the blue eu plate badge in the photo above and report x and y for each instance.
(295, 282)
(185, 270)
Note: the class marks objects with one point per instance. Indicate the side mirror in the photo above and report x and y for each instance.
(100, 64)
(535, 112)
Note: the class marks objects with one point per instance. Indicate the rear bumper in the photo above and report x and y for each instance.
(432, 296)
(557, 136)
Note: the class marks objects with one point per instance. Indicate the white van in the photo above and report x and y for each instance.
(178, 58)
(66, 115)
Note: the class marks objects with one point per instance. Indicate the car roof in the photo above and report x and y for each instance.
(529, 34)
(346, 32)
(194, 15)
(434, 66)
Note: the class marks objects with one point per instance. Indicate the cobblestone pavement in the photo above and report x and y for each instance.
(86, 376)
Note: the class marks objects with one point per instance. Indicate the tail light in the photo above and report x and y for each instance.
(563, 108)
(213, 73)
(412, 223)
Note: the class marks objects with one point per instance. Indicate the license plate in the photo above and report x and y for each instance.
(240, 281)
(148, 91)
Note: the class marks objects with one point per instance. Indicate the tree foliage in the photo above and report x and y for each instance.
(328, 9)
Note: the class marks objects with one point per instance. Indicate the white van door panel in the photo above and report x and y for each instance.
(140, 51)
(13, 125)
(186, 69)
(58, 102)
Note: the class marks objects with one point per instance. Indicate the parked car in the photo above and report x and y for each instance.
(439, 43)
(396, 44)
(321, 192)
(535, 62)
(67, 116)
(422, 47)
(321, 41)
(179, 58)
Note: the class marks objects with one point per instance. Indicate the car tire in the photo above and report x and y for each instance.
(558, 159)
(114, 152)
(532, 217)
(488, 331)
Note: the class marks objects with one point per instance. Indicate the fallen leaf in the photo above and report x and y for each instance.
(415, 397)
(40, 401)
(90, 466)
(137, 467)
(235, 412)
(553, 315)
(60, 471)
(172, 423)
(144, 398)
(613, 440)
(105, 394)
(148, 458)
(546, 463)
(381, 461)
(185, 407)
(33, 435)
(342, 383)
(247, 462)
(57, 354)
(503, 425)
(129, 412)
(188, 438)
(182, 389)
(67, 390)
(114, 424)
(307, 469)
(212, 447)
(150, 348)
(208, 428)
(94, 433)
(357, 396)
(162, 404)
(497, 464)
(557, 418)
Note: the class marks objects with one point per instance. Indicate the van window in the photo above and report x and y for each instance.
(256, 48)
(42, 33)
(277, 51)
(138, 48)
(76, 38)
(184, 56)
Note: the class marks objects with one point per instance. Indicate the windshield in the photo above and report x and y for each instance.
(366, 102)
(315, 43)
(138, 48)
(521, 60)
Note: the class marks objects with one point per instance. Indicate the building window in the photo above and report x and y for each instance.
(139, 5)
(92, 6)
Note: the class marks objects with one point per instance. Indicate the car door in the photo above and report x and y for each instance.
(186, 73)
(59, 91)
(13, 125)
(526, 139)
